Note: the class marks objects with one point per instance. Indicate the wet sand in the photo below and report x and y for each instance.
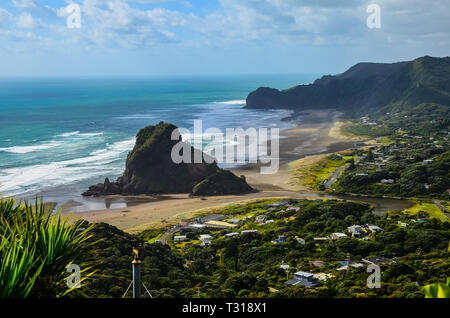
(312, 136)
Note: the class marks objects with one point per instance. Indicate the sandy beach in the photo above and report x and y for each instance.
(313, 136)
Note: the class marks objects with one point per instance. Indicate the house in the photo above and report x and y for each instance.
(249, 232)
(179, 238)
(387, 181)
(427, 162)
(300, 240)
(205, 239)
(284, 266)
(375, 229)
(228, 235)
(403, 224)
(322, 276)
(293, 208)
(219, 224)
(303, 278)
(269, 221)
(280, 239)
(337, 236)
(321, 239)
(316, 263)
(234, 221)
(260, 219)
(356, 231)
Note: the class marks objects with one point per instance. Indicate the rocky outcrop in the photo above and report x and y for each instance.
(150, 170)
(221, 183)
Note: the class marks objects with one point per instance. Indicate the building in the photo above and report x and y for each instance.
(427, 162)
(387, 181)
(316, 263)
(243, 232)
(337, 236)
(356, 231)
(228, 235)
(293, 208)
(321, 239)
(205, 239)
(234, 221)
(219, 225)
(375, 229)
(303, 278)
(323, 276)
(280, 239)
(179, 238)
(300, 240)
(261, 219)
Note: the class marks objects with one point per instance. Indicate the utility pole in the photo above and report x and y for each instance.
(136, 264)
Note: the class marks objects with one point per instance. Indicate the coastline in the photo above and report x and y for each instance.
(309, 138)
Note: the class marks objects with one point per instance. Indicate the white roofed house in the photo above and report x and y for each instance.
(179, 238)
(234, 221)
(337, 236)
(375, 229)
(356, 231)
(205, 239)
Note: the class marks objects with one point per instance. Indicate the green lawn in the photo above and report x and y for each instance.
(429, 208)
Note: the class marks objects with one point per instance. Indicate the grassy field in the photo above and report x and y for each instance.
(313, 173)
(427, 207)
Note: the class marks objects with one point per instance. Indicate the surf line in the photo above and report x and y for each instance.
(236, 146)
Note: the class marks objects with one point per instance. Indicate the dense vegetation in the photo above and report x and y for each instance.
(249, 266)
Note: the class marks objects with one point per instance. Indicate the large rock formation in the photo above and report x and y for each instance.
(151, 170)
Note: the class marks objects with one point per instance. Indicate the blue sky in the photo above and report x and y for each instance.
(205, 37)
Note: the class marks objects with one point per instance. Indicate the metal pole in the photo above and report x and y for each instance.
(136, 264)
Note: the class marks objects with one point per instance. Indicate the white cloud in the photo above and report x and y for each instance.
(26, 21)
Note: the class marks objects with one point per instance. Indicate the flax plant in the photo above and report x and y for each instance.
(37, 246)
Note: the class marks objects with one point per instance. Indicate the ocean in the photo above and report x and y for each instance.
(60, 135)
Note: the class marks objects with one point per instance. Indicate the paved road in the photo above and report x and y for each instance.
(166, 235)
(333, 177)
(444, 210)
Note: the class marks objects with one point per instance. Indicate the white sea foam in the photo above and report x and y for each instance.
(78, 133)
(28, 149)
(68, 134)
(233, 102)
(36, 177)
